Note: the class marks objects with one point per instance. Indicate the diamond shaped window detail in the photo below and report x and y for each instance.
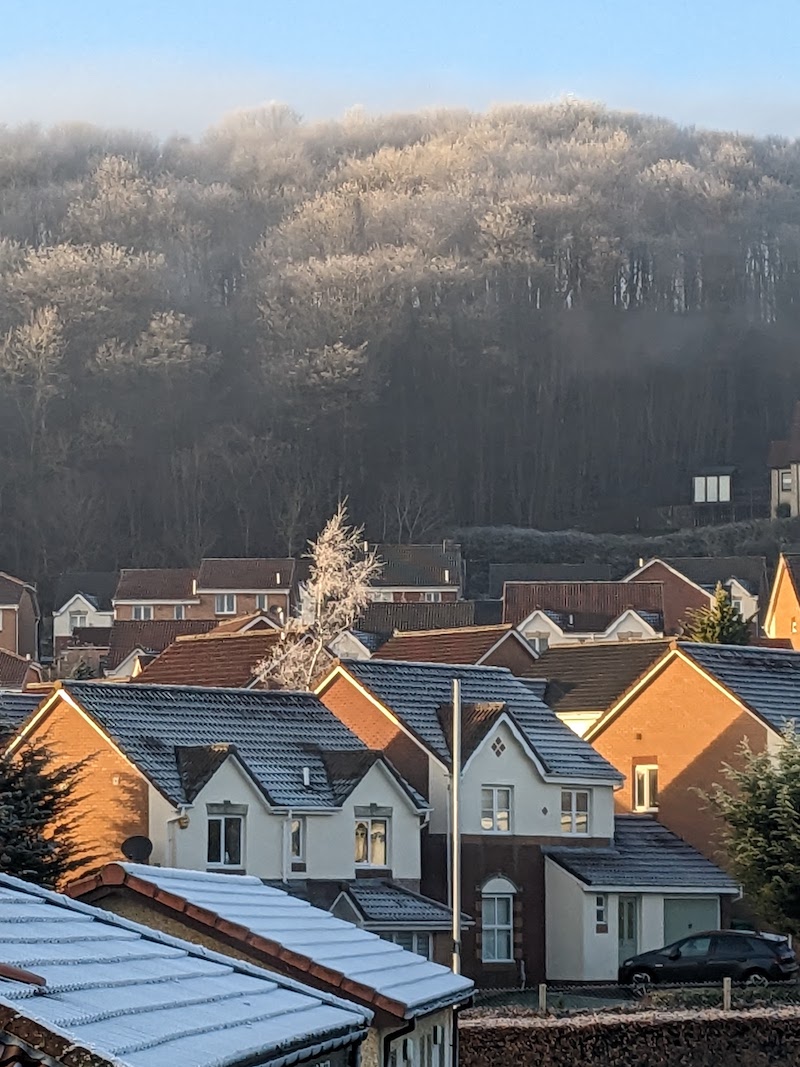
(498, 746)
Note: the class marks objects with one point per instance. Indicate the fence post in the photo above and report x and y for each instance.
(543, 997)
(726, 994)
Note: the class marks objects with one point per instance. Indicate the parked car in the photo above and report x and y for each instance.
(743, 956)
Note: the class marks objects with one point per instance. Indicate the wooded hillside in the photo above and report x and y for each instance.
(455, 319)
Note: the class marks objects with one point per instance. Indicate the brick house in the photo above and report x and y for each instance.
(419, 573)
(492, 646)
(559, 613)
(782, 616)
(18, 672)
(672, 731)
(155, 594)
(227, 587)
(19, 617)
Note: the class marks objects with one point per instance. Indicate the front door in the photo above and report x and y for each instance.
(628, 930)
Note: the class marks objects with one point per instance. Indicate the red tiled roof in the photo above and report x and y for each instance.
(382, 617)
(253, 620)
(155, 584)
(11, 589)
(226, 660)
(249, 574)
(153, 635)
(14, 670)
(94, 636)
(782, 453)
(466, 644)
(594, 605)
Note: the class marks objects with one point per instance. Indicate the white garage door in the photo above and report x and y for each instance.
(689, 915)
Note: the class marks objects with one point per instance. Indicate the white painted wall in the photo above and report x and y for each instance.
(749, 602)
(579, 721)
(423, 1028)
(629, 626)
(160, 832)
(61, 626)
(564, 925)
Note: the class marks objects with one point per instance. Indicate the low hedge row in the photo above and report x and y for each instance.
(756, 1038)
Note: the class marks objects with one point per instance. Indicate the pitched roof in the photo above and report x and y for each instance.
(197, 765)
(381, 901)
(214, 659)
(15, 708)
(252, 620)
(593, 676)
(274, 733)
(416, 693)
(11, 589)
(250, 574)
(14, 669)
(766, 680)
(464, 644)
(97, 586)
(358, 963)
(346, 768)
(707, 571)
(419, 565)
(386, 618)
(124, 994)
(644, 855)
(593, 606)
(155, 584)
(96, 636)
(500, 573)
(151, 635)
(782, 453)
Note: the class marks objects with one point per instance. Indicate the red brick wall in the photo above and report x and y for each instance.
(510, 653)
(680, 595)
(787, 610)
(689, 728)
(377, 731)
(245, 605)
(111, 799)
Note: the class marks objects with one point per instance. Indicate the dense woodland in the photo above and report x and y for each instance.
(453, 319)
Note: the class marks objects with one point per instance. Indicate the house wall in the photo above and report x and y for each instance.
(631, 627)
(111, 798)
(245, 604)
(564, 917)
(62, 631)
(680, 595)
(512, 654)
(161, 612)
(689, 728)
(27, 626)
(781, 496)
(579, 721)
(785, 618)
(8, 629)
(749, 602)
(415, 594)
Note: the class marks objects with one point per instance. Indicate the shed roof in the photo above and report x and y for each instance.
(124, 994)
(355, 962)
(592, 605)
(383, 902)
(212, 659)
(463, 644)
(246, 574)
(151, 583)
(644, 855)
(417, 692)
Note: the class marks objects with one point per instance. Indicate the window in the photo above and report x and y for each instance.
(601, 910)
(574, 811)
(297, 839)
(496, 809)
(372, 842)
(712, 489)
(225, 604)
(179, 613)
(76, 619)
(412, 941)
(695, 946)
(142, 612)
(432, 598)
(497, 928)
(225, 840)
(786, 481)
(381, 596)
(261, 601)
(645, 787)
(737, 605)
(540, 642)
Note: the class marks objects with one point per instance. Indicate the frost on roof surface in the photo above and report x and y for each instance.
(139, 998)
(417, 691)
(417, 984)
(269, 731)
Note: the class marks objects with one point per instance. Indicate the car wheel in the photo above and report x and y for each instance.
(641, 978)
(757, 978)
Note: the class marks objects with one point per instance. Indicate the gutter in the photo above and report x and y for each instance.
(393, 1035)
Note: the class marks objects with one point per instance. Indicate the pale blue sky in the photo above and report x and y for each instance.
(177, 65)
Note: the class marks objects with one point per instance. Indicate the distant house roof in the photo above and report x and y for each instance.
(464, 644)
(97, 586)
(155, 584)
(274, 734)
(593, 676)
(213, 659)
(417, 693)
(500, 573)
(151, 635)
(385, 618)
(15, 708)
(382, 902)
(120, 993)
(782, 453)
(707, 571)
(406, 566)
(15, 670)
(283, 927)
(592, 606)
(347, 767)
(245, 575)
(90, 636)
(12, 590)
(645, 855)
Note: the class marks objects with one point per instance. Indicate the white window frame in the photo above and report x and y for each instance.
(643, 774)
(300, 822)
(179, 612)
(142, 612)
(712, 489)
(601, 909)
(222, 863)
(420, 939)
(539, 642)
(262, 602)
(225, 604)
(430, 597)
(496, 809)
(75, 615)
(571, 817)
(786, 480)
(369, 821)
(495, 928)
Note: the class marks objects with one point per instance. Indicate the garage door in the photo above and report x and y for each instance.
(689, 915)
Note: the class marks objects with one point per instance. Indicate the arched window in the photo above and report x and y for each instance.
(497, 920)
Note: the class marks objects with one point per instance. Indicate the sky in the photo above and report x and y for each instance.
(178, 66)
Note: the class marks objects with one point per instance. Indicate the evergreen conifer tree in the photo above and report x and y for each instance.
(720, 623)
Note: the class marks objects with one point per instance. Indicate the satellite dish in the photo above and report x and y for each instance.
(137, 849)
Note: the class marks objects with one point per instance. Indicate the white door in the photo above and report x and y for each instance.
(689, 915)
(628, 930)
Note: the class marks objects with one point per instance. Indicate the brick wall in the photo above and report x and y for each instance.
(680, 595)
(689, 728)
(8, 630)
(27, 629)
(785, 621)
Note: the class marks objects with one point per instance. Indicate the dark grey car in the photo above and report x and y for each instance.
(744, 956)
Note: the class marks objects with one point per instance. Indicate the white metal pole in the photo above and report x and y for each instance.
(455, 824)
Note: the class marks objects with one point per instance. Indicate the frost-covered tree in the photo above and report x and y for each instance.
(336, 593)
